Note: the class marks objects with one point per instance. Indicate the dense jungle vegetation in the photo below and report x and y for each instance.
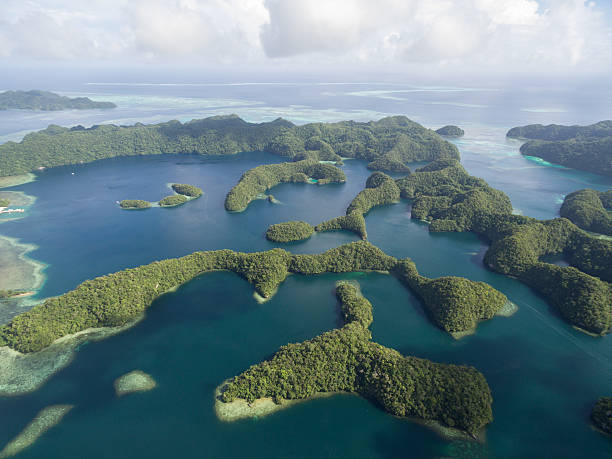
(173, 200)
(134, 204)
(261, 178)
(589, 210)
(579, 147)
(451, 200)
(454, 304)
(395, 137)
(555, 132)
(45, 100)
(118, 298)
(187, 190)
(289, 231)
(346, 360)
(380, 190)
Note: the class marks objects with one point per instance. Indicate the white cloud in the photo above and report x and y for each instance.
(469, 33)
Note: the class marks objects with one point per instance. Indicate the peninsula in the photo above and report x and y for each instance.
(346, 360)
(45, 100)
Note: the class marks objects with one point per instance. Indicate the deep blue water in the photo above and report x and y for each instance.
(543, 374)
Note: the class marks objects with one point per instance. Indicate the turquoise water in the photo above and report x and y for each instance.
(544, 375)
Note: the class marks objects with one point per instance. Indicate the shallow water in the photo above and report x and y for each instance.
(544, 375)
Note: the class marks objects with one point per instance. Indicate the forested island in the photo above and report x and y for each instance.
(261, 178)
(585, 148)
(346, 360)
(119, 298)
(601, 414)
(380, 189)
(589, 210)
(451, 131)
(134, 204)
(174, 200)
(45, 100)
(394, 138)
(184, 193)
(289, 231)
(443, 194)
(187, 190)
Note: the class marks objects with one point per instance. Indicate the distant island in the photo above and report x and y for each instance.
(586, 148)
(394, 140)
(45, 100)
(450, 131)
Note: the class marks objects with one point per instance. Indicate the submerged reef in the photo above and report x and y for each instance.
(44, 420)
(134, 381)
(346, 360)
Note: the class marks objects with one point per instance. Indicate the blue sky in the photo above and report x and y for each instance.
(556, 36)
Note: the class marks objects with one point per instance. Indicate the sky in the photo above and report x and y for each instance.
(545, 36)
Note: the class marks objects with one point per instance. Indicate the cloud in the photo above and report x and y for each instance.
(494, 32)
(444, 33)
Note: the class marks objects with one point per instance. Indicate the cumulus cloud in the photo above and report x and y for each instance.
(561, 33)
(473, 31)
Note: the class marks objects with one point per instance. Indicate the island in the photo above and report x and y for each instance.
(184, 193)
(450, 131)
(394, 137)
(380, 189)
(134, 381)
(601, 415)
(120, 298)
(589, 210)
(187, 190)
(4, 202)
(579, 147)
(444, 195)
(45, 100)
(261, 178)
(174, 200)
(134, 204)
(289, 231)
(347, 360)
